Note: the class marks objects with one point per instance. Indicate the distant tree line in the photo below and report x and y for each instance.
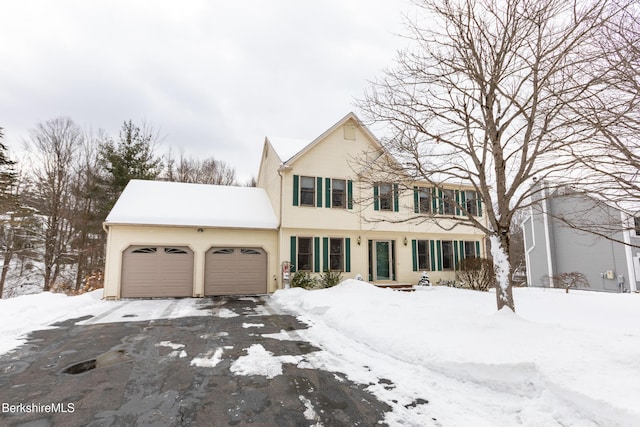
(53, 204)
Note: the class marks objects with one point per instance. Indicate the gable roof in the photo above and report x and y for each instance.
(289, 150)
(197, 205)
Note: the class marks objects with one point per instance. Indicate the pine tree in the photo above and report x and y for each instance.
(131, 158)
(8, 178)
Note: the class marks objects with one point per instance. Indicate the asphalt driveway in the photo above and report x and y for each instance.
(168, 373)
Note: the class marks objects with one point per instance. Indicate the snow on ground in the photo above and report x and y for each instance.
(23, 314)
(563, 359)
(438, 356)
(260, 361)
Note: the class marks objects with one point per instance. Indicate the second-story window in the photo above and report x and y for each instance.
(448, 202)
(386, 197)
(307, 191)
(636, 223)
(471, 202)
(338, 193)
(422, 200)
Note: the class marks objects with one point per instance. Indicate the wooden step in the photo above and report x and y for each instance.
(403, 287)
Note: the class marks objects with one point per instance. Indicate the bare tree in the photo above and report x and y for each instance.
(88, 206)
(55, 144)
(489, 95)
(613, 158)
(207, 171)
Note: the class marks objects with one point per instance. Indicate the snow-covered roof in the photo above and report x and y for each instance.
(288, 147)
(198, 205)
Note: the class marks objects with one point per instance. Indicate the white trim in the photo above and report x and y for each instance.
(626, 235)
(527, 252)
(545, 219)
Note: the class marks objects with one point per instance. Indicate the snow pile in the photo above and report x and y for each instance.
(209, 360)
(21, 315)
(563, 359)
(259, 361)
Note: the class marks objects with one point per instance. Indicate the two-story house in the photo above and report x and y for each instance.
(567, 231)
(311, 211)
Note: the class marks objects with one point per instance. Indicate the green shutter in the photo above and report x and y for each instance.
(316, 254)
(416, 202)
(396, 196)
(319, 192)
(414, 254)
(376, 197)
(461, 248)
(457, 195)
(325, 254)
(477, 249)
(327, 195)
(439, 254)
(479, 204)
(440, 202)
(393, 260)
(347, 255)
(349, 194)
(296, 189)
(463, 200)
(292, 255)
(432, 255)
(455, 254)
(434, 198)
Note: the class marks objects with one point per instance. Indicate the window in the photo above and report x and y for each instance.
(174, 251)
(305, 254)
(336, 254)
(447, 255)
(470, 250)
(338, 193)
(422, 200)
(423, 255)
(448, 202)
(386, 197)
(307, 191)
(145, 251)
(471, 202)
(636, 223)
(223, 251)
(250, 252)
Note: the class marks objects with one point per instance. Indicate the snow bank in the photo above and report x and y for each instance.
(563, 359)
(24, 314)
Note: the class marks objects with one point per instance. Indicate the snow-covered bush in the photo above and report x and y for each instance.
(330, 278)
(303, 279)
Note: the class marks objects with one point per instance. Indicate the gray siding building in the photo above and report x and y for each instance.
(569, 232)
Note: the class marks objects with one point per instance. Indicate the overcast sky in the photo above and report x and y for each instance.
(215, 77)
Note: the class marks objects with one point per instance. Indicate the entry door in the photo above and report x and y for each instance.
(381, 260)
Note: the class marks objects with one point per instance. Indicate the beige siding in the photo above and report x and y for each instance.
(122, 237)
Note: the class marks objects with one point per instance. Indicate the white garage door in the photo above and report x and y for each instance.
(157, 271)
(235, 271)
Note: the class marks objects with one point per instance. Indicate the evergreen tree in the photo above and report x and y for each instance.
(8, 178)
(131, 158)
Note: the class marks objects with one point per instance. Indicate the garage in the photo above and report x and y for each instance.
(235, 271)
(157, 271)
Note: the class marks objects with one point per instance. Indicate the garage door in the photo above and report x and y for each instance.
(235, 271)
(157, 271)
